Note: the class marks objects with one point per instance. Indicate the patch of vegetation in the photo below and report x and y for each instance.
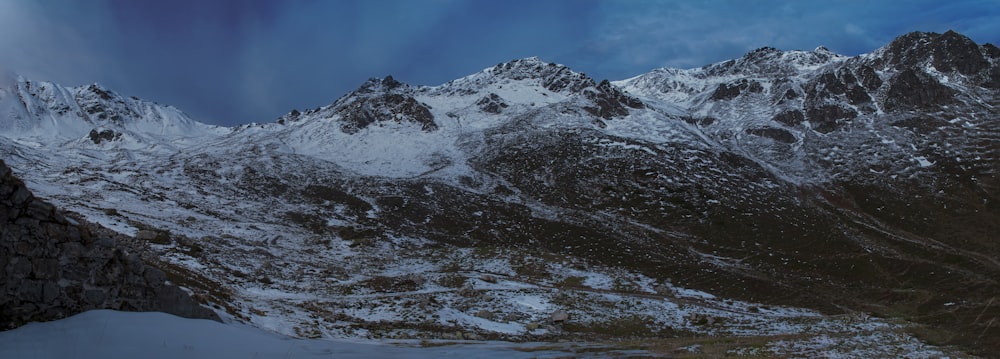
(358, 236)
(452, 280)
(571, 282)
(534, 269)
(384, 284)
(630, 326)
(311, 222)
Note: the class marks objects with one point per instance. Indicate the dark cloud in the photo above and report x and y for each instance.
(237, 61)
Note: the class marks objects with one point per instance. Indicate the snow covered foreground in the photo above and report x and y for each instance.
(108, 334)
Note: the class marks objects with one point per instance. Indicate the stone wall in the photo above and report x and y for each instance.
(53, 267)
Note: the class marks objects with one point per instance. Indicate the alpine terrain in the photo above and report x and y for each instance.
(787, 203)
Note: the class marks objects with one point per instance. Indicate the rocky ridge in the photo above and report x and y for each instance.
(863, 184)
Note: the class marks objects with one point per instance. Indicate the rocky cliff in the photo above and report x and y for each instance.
(53, 267)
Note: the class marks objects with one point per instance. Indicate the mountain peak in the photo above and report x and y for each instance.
(554, 77)
(379, 100)
(772, 62)
(822, 50)
(381, 85)
(947, 52)
(100, 91)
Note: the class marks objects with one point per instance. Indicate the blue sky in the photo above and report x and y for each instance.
(237, 61)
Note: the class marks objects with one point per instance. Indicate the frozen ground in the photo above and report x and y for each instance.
(109, 334)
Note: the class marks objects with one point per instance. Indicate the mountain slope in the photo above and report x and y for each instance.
(54, 267)
(803, 178)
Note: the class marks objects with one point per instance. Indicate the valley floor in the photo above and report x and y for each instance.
(111, 334)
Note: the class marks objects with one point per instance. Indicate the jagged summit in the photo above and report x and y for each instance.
(526, 71)
(385, 84)
(379, 100)
(772, 62)
(554, 77)
(946, 52)
(527, 82)
(48, 112)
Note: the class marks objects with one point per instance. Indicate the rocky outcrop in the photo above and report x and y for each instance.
(492, 103)
(382, 100)
(915, 90)
(610, 102)
(734, 89)
(947, 52)
(53, 267)
(777, 134)
(829, 118)
(103, 136)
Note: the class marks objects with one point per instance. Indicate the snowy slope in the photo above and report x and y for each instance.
(91, 117)
(783, 179)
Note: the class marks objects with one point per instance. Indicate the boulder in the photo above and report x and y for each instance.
(559, 316)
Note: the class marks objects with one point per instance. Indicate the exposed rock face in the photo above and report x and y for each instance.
(554, 77)
(104, 105)
(53, 267)
(828, 118)
(730, 91)
(610, 102)
(104, 135)
(948, 52)
(492, 103)
(911, 90)
(776, 134)
(382, 100)
(790, 118)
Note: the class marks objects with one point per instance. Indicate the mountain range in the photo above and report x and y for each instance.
(529, 201)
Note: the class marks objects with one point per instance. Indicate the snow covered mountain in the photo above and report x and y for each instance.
(481, 206)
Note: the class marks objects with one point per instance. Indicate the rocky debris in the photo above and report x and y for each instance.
(53, 267)
(103, 135)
